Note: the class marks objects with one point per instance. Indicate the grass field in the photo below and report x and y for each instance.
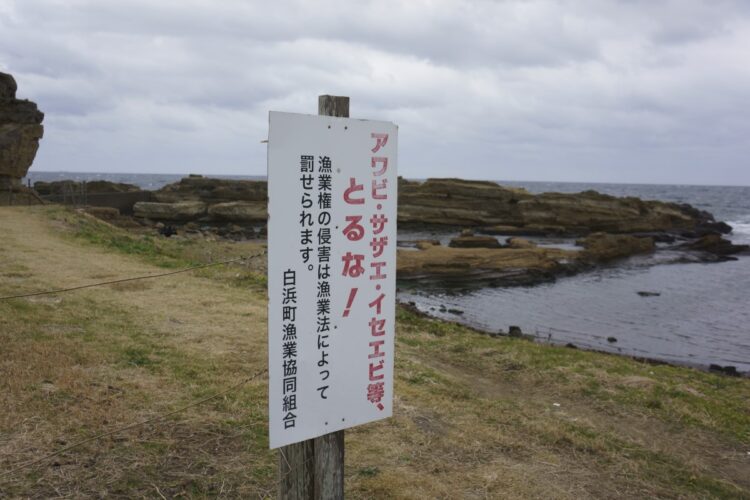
(474, 417)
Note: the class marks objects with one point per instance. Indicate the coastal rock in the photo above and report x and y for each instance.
(455, 202)
(530, 230)
(602, 247)
(715, 244)
(8, 87)
(706, 224)
(425, 244)
(520, 243)
(211, 191)
(657, 237)
(501, 210)
(474, 242)
(477, 205)
(20, 131)
(469, 266)
(515, 331)
(180, 211)
(239, 211)
(726, 370)
(91, 187)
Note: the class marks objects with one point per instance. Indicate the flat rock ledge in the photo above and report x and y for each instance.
(181, 211)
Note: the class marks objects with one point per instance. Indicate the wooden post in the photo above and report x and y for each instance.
(329, 449)
(333, 105)
(329, 466)
(314, 469)
(296, 469)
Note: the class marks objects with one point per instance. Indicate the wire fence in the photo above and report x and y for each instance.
(14, 196)
(14, 471)
(124, 280)
(159, 418)
(75, 194)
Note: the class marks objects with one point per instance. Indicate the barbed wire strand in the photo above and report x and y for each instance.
(134, 425)
(91, 285)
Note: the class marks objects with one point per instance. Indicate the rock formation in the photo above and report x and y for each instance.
(496, 209)
(484, 206)
(474, 242)
(20, 131)
(440, 266)
(210, 191)
(519, 263)
(715, 245)
(602, 247)
(182, 211)
(218, 201)
(91, 187)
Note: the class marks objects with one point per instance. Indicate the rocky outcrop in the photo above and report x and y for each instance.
(91, 187)
(239, 211)
(474, 242)
(440, 266)
(602, 247)
(521, 262)
(211, 191)
(520, 243)
(501, 210)
(483, 206)
(20, 131)
(715, 245)
(179, 212)
(425, 244)
(219, 201)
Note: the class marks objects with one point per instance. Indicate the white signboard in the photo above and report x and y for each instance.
(332, 187)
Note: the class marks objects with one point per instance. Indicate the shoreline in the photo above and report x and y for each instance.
(412, 308)
(487, 252)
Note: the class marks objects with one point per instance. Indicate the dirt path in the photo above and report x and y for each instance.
(190, 308)
(88, 361)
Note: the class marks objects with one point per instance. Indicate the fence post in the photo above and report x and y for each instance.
(314, 469)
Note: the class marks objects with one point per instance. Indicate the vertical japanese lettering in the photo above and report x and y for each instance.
(289, 348)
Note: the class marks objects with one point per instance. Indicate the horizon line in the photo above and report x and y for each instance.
(408, 178)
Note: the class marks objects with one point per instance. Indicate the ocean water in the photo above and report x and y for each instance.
(144, 181)
(700, 317)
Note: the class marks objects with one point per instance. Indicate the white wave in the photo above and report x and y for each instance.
(740, 231)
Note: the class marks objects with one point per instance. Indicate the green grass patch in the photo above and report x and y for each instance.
(159, 251)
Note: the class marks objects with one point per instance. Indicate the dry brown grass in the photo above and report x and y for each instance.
(475, 417)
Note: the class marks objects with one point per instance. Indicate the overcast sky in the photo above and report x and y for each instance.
(600, 91)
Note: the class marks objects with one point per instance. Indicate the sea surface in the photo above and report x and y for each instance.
(700, 317)
(144, 181)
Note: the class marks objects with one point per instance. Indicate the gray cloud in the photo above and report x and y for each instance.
(638, 91)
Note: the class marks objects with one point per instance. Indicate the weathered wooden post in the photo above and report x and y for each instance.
(315, 468)
(331, 239)
(329, 449)
(296, 471)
